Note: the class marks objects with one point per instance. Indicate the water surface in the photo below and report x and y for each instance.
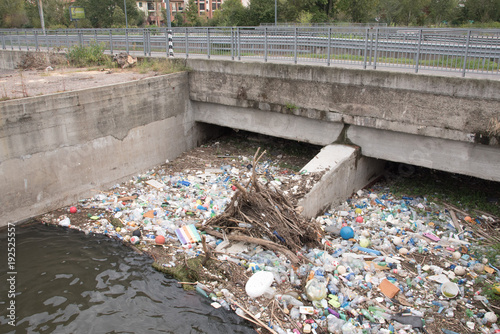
(68, 282)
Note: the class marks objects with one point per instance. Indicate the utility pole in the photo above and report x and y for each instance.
(125, 9)
(40, 10)
(276, 12)
(169, 20)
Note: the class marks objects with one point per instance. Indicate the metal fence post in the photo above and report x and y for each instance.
(149, 43)
(466, 53)
(232, 44)
(36, 41)
(329, 45)
(111, 41)
(265, 44)
(376, 48)
(187, 43)
(418, 51)
(239, 44)
(295, 45)
(208, 43)
(126, 40)
(366, 48)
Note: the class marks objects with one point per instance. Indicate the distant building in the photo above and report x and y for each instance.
(153, 8)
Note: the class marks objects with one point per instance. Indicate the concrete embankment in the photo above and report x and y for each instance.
(57, 148)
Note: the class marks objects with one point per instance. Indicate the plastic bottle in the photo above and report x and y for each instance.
(289, 300)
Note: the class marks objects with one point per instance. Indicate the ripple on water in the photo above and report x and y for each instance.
(68, 282)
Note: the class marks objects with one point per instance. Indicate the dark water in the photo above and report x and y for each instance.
(68, 282)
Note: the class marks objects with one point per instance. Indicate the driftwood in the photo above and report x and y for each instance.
(264, 215)
(266, 243)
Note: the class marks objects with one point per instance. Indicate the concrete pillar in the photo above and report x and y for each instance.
(345, 171)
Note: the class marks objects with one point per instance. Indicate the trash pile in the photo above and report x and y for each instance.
(376, 264)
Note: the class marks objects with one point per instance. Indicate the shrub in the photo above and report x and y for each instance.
(90, 55)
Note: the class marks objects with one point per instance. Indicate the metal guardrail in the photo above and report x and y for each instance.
(458, 50)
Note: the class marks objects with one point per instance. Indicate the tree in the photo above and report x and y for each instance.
(482, 10)
(12, 14)
(358, 10)
(100, 12)
(232, 13)
(442, 10)
(192, 14)
(261, 11)
(404, 12)
(118, 18)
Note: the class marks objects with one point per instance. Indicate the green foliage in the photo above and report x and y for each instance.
(12, 14)
(191, 12)
(100, 13)
(118, 17)
(231, 14)
(91, 55)
(161, 66)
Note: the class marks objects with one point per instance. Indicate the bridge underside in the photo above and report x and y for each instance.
(460, 157)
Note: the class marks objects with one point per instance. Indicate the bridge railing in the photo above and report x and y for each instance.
(458, 50)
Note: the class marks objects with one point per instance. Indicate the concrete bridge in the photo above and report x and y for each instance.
(55, 149)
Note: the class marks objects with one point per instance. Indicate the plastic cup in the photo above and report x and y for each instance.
(449, 289)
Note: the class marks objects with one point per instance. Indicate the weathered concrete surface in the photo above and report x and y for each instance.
(393, 116)
(10, 59)
(273, 124)
(477, 160)
(56, 148)
(442, 107)
(345, 172)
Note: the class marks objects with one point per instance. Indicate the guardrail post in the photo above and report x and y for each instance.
(466, 54)
(36, 41)
(187, 43)
(11, 43)
(144, 42)
(67, 38)
(295, 45)
(376, 48)
(26, 39)
(3, 41)
(329, 44)
(265, 44)
(18, 40)
(111, 41)
(366, 48)
(95, 36)
(208, 43)
(417, 60)
(239, 43)
(80, 38)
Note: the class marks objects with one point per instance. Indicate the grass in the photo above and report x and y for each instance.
(162, 66)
